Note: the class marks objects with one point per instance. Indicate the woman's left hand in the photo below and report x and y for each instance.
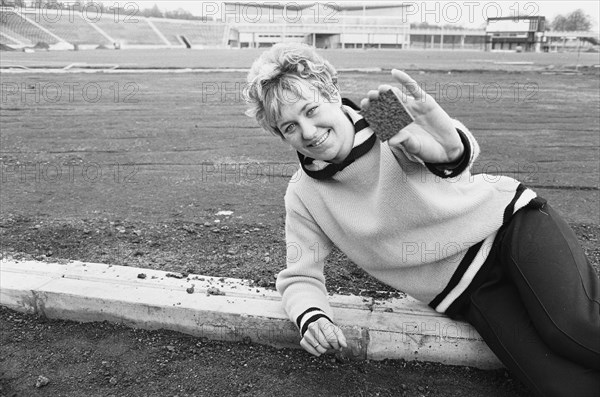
(432, 136)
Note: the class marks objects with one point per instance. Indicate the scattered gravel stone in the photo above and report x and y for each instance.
(188, 229)
(214, 291)
(263, 282)
(41, 381)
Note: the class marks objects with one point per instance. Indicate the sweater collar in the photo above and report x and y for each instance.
(364, 139)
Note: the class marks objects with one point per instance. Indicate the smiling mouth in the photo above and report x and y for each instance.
(320, 141)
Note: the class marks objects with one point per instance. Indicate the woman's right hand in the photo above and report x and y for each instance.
(432, 136)
(323, 335)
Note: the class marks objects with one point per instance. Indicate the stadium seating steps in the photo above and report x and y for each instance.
(75, 29)
(14, 23)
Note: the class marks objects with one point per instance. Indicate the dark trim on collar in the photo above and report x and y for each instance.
(356, 152)
(349, 103)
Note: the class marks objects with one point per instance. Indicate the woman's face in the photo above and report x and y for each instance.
(316, 126)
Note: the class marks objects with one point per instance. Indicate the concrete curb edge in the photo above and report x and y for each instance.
(233, 310)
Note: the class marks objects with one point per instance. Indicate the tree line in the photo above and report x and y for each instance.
(577, 20)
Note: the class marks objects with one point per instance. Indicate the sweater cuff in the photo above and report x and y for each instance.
(454, 168)
(308, 317)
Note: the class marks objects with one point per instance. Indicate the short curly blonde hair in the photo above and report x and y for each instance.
(281, 69)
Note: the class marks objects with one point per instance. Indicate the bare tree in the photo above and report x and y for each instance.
(576, 20)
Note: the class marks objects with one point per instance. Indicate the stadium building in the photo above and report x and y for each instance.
(324, 25)
(244, 24)
(516, 33)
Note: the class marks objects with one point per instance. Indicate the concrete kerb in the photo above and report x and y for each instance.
(232, 310)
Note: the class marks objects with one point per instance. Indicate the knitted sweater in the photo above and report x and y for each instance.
(409, 228)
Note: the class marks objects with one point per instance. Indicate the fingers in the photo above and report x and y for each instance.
(407, 140)
(312, 349)
(321, 330)
(364, 103)
(321, 336)
(373, 95)
(385, 87)
(411, 85)
(340, 337)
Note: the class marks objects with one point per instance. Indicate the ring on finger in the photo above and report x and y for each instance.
(317, 345)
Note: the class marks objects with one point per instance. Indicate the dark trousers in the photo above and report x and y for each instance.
(538, 307)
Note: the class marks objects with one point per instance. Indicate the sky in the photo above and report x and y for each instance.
(468, 13)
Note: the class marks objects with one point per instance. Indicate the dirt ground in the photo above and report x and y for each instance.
(133, 169)
(415, 59)
(111, 360)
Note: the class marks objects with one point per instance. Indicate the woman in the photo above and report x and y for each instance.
(408, 211)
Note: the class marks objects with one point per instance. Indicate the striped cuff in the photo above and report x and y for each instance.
(308, 317)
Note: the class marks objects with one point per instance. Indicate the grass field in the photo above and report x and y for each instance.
(132, 168)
